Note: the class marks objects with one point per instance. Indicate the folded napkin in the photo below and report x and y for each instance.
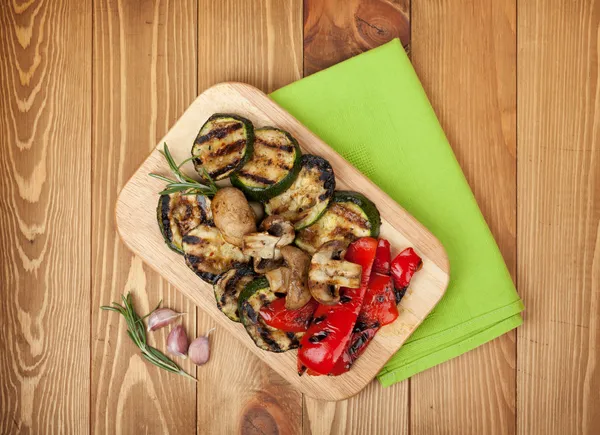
(372, 109)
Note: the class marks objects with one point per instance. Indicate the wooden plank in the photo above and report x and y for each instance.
(144, 77)
(464, 54)
(136, 223)
(45, 188)
(558, 385)
(261, 44)
(335, 30)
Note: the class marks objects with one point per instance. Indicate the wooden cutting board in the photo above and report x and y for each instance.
(136, 223)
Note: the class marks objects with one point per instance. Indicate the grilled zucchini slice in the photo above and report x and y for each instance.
(209, 255)
(255, 295)
(273, 167)
(349, 216)
(308, 196)
(228, 289)
(178, 214)
(223, 145)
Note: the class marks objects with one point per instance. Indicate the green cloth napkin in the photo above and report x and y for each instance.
(372, 109)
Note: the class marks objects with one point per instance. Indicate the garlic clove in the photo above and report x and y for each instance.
(161, 318)
(199, 350)
(178, 342)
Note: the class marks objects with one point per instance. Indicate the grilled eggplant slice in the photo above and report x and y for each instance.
(273, 167)
(223, 145)
(178, 214)
(209, 255)
(349, 216)
(255, 295)
(228, 289)
(308, 196)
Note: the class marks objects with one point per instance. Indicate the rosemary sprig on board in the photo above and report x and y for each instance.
(137, 333)
(183, 183)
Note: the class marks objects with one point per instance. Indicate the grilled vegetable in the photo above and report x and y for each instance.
(328, 272)
(273, 167)
(332, 325)
(178, 214)
(232, 215)
(279, 227)
(228, 289)
(279, 279)
(308, 196)
(298, 262)
(209, 255)
(223, 145)
(403, 268)
(278, 316)
(349, 216)
(253, 298)
(379, 306)
(263, 265)
(261, 245)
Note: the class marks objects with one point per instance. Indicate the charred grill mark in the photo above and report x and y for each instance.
(218, 133)
(266, 336)
(291, 336)
(257, 178)
(399, 294)
(286, 148)
(224, 169)
(284, 166)
(230, 148)
(318, 320)
(249, 310)
(192, 240)
(349, 216)
(165, 208)
(319, 336)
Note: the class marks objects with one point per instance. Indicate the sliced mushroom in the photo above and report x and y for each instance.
(277, 226)
(328, 272)
(263, 265)
(232, 215)
(279, 279)
(298, 262)
(261, 245)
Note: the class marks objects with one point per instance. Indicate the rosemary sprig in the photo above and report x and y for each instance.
(137, 333)
(183, 183)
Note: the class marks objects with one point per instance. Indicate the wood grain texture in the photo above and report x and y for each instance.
(464, 54)
(44, 207)
(558, 385)
(144, 76)
(136, 223)
(260, 43)
(335, 30)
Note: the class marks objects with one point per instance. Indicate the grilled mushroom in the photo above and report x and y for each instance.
(279, 279)
(261, 245)
(328, 272)
(232, 215)
(298, 262)
(278, 227)
(263, 265)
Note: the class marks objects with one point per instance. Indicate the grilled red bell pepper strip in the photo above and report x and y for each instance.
(332, 325)
(383, 257)
(379, 308)
(403, 268)
(278, 316)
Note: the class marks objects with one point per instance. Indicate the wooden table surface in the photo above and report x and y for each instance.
(87, 87)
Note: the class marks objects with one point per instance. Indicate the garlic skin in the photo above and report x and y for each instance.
(199, 350)
(162, 317)
(178, 342)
